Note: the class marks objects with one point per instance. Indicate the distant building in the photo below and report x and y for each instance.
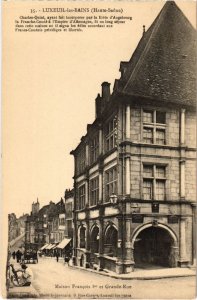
(21, 223)
(69, 206)
(135, 169)
(13, 231)
(57, 233)
(16, 226)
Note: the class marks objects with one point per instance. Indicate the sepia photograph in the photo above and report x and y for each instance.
(98, 150)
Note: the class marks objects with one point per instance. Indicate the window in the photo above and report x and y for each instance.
(111, 134)
(82, 237)
(148, 135)
(154, 182)
(94, 191)
(81, 197)
(110, 183)
(62, 221)
(154, 127)
(69, 228)
(94, 149)
(81, 160)
(148, 189)
(68, 210)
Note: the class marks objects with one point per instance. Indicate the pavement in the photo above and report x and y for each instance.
(141, 274)
(146, 274)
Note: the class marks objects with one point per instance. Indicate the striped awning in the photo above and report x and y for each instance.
(49, 246)
(44, 247)
(63, 243)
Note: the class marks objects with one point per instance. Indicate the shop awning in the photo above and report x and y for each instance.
(54, 246)
(63, 243)
(49, 246)
(44, 247)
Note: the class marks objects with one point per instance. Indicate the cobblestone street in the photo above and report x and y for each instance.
(54, 279)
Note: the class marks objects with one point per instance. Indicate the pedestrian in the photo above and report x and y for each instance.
(57, 256)
(13, 254)
(66, 259)
(18, 255)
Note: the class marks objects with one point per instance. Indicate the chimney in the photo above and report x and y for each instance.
(144, 29)
(105, 91)
(98, 105)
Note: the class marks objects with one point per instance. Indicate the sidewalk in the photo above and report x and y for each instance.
(141, 274)
(23, 291)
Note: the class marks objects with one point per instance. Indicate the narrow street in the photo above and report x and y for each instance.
(53, 279)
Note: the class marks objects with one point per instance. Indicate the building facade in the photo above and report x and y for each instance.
(69, 206)
(135, 169)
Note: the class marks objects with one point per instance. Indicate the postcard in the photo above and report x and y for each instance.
(98, 149)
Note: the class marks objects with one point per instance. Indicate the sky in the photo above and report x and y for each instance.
(50, 82)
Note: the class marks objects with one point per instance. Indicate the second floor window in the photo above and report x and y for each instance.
(81, 197)
(154, 182)
(110, 183)
(154, 127)
(94, 191)
(111, 134)
(94, 149)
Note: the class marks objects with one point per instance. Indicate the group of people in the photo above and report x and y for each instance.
(17, 273)
(19, 276)
(19, 255)
(67, 256)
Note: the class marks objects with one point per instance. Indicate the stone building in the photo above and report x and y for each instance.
(135, 170)
(13, 231)
(69, 206)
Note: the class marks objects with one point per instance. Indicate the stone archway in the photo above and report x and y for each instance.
(111, 240)
(94, 239)
(154, 246)
(81, 236)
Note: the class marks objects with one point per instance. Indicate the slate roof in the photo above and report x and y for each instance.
(163, 66)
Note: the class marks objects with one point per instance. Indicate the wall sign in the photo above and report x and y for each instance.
(137, 218)
(173, 219)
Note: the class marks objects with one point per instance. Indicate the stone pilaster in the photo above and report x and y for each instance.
(125, 263)
(183, 260)
(182, 178)
(182, 137)
(127, 175)
(194, 234)
(100, 141)
(128, 122)
(101, 237)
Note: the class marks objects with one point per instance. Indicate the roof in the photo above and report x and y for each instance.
(163, 65)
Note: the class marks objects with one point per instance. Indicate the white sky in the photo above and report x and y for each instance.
(50, 84)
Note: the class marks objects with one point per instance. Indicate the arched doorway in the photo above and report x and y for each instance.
(94, 239)
(82, 237)
(154, 246)
(111, 240)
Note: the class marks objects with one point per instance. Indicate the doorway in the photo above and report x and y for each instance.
(153, 247)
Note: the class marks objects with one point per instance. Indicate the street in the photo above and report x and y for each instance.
(53, 279)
